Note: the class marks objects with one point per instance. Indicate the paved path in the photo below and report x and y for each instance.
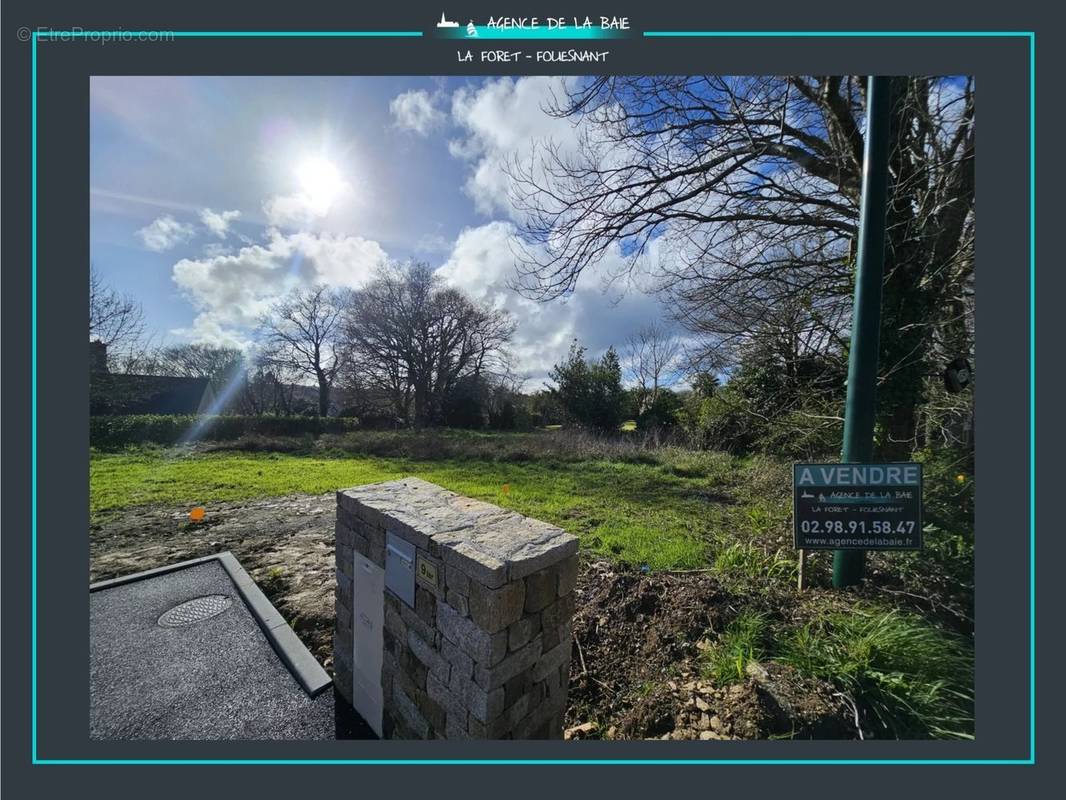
(218, 678)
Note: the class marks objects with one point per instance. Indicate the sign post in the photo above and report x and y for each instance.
(848, 565)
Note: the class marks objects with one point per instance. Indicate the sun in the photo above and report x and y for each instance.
(321, 183)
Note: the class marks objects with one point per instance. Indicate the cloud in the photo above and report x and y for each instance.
(218, 222)
(216, 249)
(432, 243)
(416, 111)
(303, 209)
(164, 233)
(207, 330)
(230, 291)
(504, 119)
(481, 264)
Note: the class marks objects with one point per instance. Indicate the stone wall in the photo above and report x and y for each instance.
(484, 652)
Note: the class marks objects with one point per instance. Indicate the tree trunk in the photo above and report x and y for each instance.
(323, 397)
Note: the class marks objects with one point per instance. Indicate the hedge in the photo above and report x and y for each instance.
(108, 432)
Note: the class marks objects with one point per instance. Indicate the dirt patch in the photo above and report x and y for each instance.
(635, 672)
(632, 632)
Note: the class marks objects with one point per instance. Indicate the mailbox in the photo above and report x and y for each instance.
(400, 568)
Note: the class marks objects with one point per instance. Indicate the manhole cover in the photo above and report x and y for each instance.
(196, 610)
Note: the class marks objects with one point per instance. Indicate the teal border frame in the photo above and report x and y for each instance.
(117, 36)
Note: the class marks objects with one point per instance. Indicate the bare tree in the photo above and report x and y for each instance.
(114, 318)
(262, 391)
(413, 338)
(117, 321)
(652, 361)
(301, 334)
(198, 360)
(749, 188)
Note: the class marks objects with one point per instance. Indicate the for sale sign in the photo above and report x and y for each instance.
(857, 506)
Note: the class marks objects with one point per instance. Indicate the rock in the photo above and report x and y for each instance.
(702, 704)
(577, 731)
(756, 671)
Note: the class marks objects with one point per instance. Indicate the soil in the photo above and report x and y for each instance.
(638, 637)
(635, 672)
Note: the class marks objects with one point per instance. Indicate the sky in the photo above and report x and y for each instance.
(211, 197)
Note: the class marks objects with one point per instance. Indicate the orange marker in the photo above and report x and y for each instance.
(197, 514)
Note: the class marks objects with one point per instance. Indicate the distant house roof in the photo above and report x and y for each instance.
(151, 394)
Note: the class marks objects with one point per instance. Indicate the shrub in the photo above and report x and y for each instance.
(805, 434)
(948, 486)
(662, 412)
(720, 422)
(112, 432)
(590, 392)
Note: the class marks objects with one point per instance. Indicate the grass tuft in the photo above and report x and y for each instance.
(742, 642)
(745, 560)
(912, 678)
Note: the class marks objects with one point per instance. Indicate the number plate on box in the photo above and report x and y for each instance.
(426, 571)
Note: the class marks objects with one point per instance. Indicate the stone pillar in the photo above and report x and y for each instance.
(484, 651)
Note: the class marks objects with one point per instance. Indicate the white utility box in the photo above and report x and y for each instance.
(368, 622)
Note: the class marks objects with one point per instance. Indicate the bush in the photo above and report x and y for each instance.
(590, 392)
(108, 433)
(806, 434)
(948, 486)
(663, 412)
(720, 422)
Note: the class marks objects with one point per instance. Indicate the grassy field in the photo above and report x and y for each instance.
(900, 647)
(666, 515)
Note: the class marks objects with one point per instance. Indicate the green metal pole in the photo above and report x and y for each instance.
(848, 565)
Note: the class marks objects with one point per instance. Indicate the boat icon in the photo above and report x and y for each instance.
(446, 23)
(806, 495)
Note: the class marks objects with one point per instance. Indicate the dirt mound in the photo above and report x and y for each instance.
(635, 672)
(631, 631)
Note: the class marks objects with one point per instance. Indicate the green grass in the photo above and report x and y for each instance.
(639, 513)
(910, 679)
(746, 560)
(913, 679)
(727, 659)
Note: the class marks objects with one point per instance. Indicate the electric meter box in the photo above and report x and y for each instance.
(368, 622)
